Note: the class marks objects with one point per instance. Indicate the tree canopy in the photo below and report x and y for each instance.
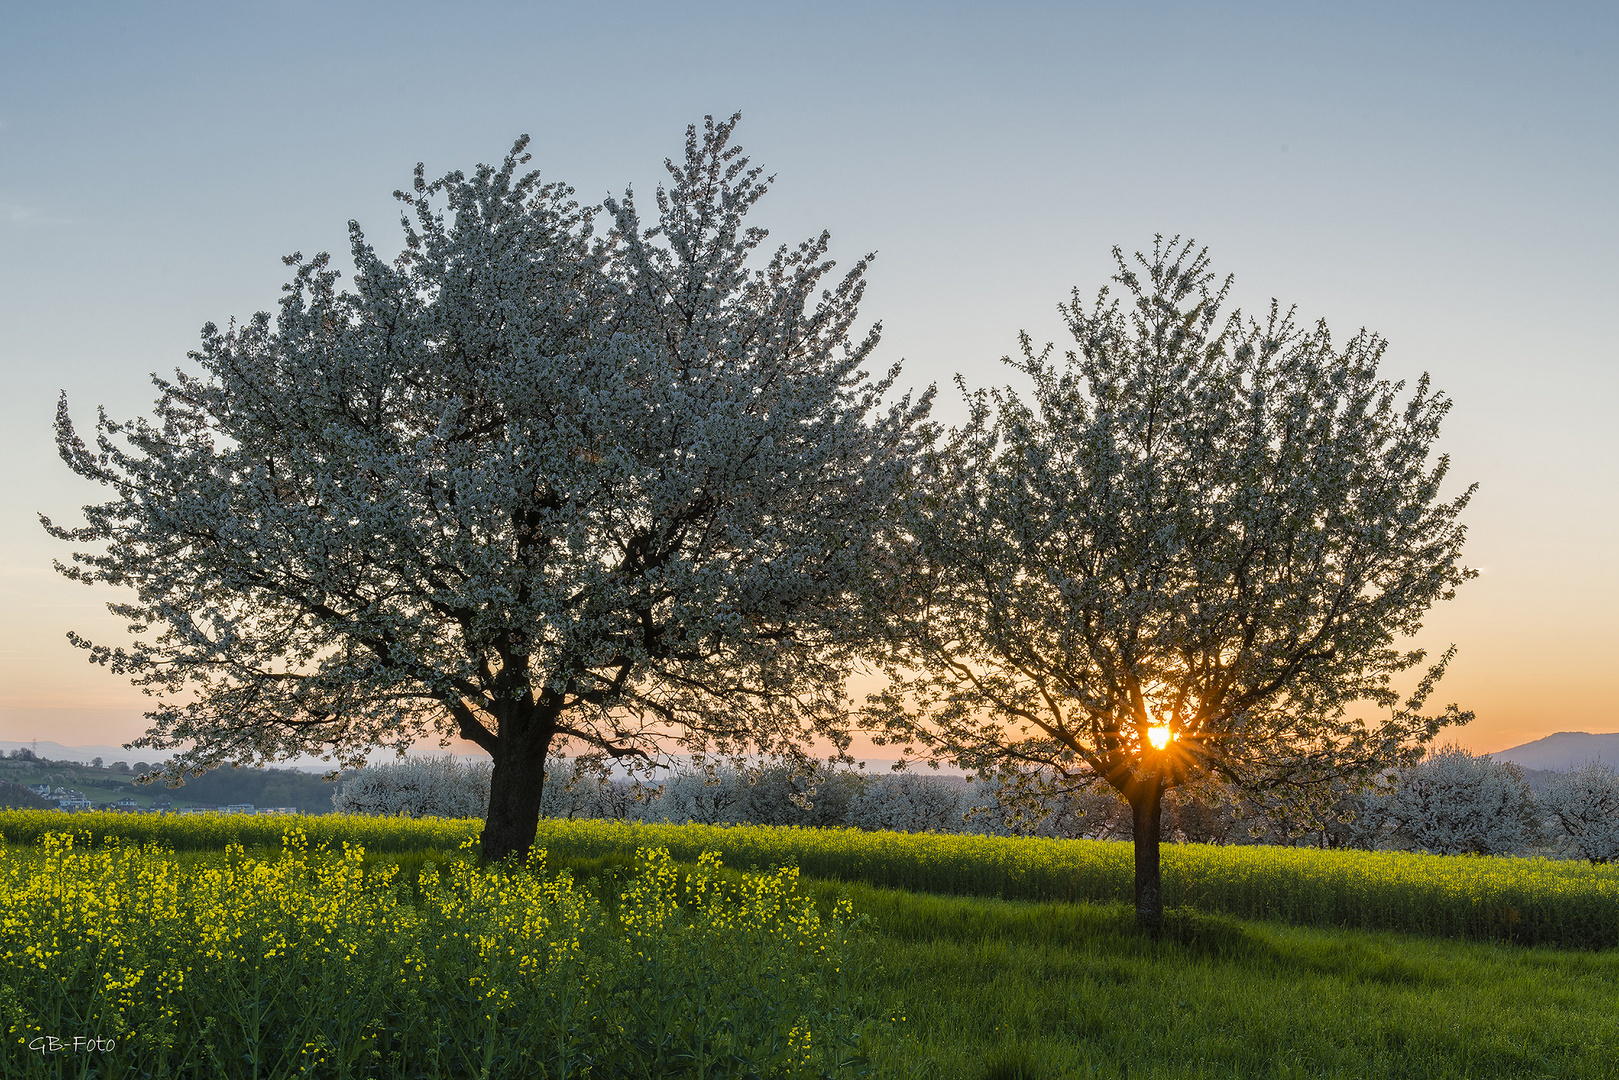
(1585, 802)
(1191, 551)
(523, 484)
(1453, 803)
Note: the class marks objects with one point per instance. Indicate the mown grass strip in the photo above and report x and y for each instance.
(1563, 904)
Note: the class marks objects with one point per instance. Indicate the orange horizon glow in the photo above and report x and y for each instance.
(49, 692)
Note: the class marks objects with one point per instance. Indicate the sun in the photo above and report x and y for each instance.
(1160, 736)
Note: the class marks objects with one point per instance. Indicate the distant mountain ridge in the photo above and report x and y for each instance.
(1564, 750)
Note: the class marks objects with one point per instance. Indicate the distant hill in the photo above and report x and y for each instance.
(55, 751)
(84, 755)
(260, 787)
(217, 787)
(1563, 751)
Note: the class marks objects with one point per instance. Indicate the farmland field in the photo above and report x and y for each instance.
(407, 960)
(1562, 903)
(316, 962)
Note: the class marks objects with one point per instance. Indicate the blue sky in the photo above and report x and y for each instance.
(1444, 174)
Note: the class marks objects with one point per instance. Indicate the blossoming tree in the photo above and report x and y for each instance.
(1585, 802)
(1189, 555)
(524, 484)
(1454, 803)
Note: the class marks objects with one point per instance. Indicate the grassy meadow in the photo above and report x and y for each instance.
(220, 947)
(996, 989)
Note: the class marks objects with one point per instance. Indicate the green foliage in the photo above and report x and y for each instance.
(262, 787)
(1564, 904)
(18, 797)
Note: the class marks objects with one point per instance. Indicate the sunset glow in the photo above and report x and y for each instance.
(1160, 736)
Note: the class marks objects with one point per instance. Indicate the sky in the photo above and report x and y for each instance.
(1442, 174)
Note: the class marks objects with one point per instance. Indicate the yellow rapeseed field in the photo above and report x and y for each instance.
(313, 962)
(1562, 903)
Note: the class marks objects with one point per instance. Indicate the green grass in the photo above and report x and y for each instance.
(995, 989)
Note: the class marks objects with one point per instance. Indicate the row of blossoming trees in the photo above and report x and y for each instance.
(564, 478)
(1451, 803)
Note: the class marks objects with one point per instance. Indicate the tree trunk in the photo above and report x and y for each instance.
(1147, 820)
(515, 788)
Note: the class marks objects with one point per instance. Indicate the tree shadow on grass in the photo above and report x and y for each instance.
(1100, 930)
(1012, 1063)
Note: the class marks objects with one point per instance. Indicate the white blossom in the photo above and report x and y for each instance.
(1585, 802)
(417, 787)
(1453, 803)
(706, 798)
(1203, 526)
(525, 485)
(905, 802)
